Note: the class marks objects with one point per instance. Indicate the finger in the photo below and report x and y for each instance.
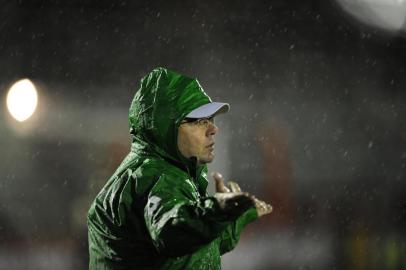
(234, 186)
(263, 208)
(258, 201)
(220, 186)
(267, 209)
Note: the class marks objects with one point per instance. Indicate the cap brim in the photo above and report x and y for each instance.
(209, 109)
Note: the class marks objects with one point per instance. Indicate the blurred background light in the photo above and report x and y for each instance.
(22, 100)
(389, 15)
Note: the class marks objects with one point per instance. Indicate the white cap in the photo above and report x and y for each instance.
(209, 109)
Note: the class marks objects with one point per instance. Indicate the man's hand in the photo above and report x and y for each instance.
(234, 203)
(262, 207)
(234, 191)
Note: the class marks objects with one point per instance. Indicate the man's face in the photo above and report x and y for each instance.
(196, 139)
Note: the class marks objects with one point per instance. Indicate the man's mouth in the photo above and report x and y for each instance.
(210, 145)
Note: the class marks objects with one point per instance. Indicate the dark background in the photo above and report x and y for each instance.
(317, 124)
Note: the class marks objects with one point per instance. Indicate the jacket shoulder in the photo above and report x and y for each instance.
(151, 169)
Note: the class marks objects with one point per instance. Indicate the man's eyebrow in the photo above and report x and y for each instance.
(197, 119)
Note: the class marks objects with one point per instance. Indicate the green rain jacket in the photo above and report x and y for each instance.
(155, 212)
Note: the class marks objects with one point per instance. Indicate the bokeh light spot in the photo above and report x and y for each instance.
(22, 100)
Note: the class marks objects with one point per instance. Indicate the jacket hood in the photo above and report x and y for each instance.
(163, 100)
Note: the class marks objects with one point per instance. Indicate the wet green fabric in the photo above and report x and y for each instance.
(154, 212)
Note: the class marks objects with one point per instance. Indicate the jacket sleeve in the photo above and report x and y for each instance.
(178, 220)
(231, 234)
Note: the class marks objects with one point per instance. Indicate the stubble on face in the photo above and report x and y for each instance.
(194, 142)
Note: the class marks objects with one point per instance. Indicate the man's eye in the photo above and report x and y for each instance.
(202, 122)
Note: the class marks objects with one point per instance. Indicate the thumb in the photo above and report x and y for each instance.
(220, 186)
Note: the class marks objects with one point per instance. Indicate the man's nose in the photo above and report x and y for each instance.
(213, 129)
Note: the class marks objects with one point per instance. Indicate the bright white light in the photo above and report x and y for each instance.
(385, 14)
(22, 100)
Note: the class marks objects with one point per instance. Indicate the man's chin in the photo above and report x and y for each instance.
(206, 160)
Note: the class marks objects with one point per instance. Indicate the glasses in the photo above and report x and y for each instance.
(200, 122)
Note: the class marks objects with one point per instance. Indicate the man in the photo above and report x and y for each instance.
(155, 212)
